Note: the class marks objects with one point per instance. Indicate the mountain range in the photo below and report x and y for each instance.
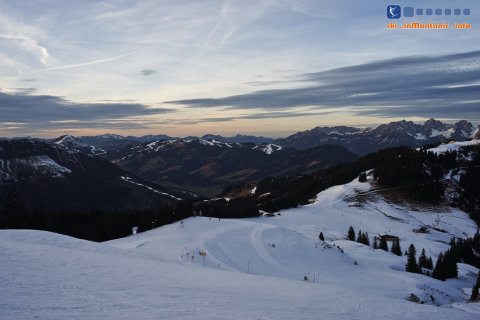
(208, 166)
(393, 134)
(47, 175)
(360, 141)
(111, 142)
(73, 169)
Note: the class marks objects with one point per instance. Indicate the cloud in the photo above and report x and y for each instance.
(23, 38)
(439, 86)
(147, 72)
(23, 91)
(51, 111)
(89, 63)
(29, 45)
(256, 116)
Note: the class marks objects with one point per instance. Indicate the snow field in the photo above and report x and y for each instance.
(254, 268)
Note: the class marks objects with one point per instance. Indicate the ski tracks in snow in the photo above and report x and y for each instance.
(258, 245)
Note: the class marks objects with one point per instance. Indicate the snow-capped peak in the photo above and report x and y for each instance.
(211, 142)
(268, 148)
(112, 136)
(65, 139)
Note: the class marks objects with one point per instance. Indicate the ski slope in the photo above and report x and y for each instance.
(253, 268)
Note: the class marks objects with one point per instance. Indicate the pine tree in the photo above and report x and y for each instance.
(366, 239)
(423, 260)
(393, 248)
(396, 247)
(429, 263)
(383, 244)
(360, 236)
(351, 234)
(476, 287)
(411, 260)
(321, 236)
(450, 263)
(375, 243)
(439, 270)
(452, 241)
(474, 296)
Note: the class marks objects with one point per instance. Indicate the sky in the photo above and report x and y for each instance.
(266, 67)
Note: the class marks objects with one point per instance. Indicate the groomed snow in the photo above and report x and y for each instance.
(253, 268)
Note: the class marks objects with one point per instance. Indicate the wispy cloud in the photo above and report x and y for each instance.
(254, 116)
(23, 91)
(431, 86)
(89, 63)
(29, 45)
(26, 38)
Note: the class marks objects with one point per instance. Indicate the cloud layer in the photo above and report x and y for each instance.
(43, 111)
(440, 86)
(123, 58)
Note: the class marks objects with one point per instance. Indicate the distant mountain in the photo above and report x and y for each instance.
(447, 174)
(364, 141)
(110, 142)
(476, 134)
(107, 142)
(49, 175)
(74, 145)
(238, 139)
(207, 166)
(149, 138)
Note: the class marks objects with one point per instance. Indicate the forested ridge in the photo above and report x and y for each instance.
(415, 174)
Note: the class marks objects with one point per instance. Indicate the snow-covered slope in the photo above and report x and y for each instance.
(253, 268)
(268, 148)
(74, 145)
(41, 164)
(453, 146)
(54, 177)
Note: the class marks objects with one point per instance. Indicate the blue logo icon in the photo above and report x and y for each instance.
(394, 12)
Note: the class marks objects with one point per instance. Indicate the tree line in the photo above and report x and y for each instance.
(417, 174)
(102, 225)
(460, 251)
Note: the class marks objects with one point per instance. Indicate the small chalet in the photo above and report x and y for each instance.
(387, 237)
(422, 229)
